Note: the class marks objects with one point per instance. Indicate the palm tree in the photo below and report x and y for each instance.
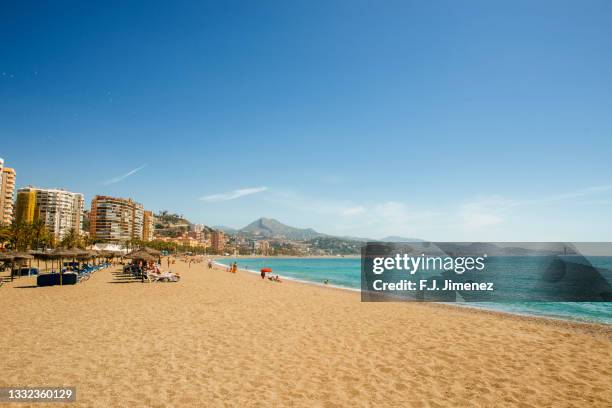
(72, 239)
(40, 235)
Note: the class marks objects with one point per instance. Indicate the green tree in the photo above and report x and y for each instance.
(72, 240)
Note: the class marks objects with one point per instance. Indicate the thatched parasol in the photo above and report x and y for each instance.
(148, 250)
(141, 256)
(6, 256)
(62, 254)
(152, 251)
(22, 256)
(15, 256)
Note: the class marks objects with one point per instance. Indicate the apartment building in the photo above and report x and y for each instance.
(60, 210)
(117, 220)
(7, 193)
(148, 226)
(217, 241)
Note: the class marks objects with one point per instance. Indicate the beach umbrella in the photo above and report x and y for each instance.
(266, 270)
(148, 250)
(144, 256)
(152, 251)
(134, 254)
(36, 254)
(16, 256)
(44, 255)
(6, 256)
(62, 254)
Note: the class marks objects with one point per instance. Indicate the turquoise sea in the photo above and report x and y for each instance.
(346, 273)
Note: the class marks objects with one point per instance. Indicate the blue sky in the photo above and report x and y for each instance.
(470, 120)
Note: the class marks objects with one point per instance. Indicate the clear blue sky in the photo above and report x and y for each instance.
(458, 120)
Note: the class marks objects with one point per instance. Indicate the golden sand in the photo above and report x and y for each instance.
(222, 339)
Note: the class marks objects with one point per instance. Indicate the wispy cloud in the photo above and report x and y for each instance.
(232, 195)
(490, 211)
(124, 176)
(359, 209)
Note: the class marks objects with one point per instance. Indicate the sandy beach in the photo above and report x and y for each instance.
(222, 339)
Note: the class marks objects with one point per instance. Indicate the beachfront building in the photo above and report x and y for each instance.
(217, 241)
(148, 225)
(7, 192)
(60, 210)
(264, 247)
(116, 220)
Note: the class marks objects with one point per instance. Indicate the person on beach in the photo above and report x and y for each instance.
(234, 267)
(263, 274)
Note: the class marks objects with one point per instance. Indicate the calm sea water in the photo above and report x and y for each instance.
(346, 273)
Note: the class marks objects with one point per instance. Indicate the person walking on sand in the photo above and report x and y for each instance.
(234, 267)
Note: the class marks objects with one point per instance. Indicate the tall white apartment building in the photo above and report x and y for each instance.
(7, 192)
(60, 210)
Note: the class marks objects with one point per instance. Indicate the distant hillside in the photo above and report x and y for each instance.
(227, 230)
(170, 225)
(271, 228)
(394, 238)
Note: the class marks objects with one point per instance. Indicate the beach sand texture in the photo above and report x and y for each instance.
(222, 339)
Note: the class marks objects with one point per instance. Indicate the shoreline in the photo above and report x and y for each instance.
(601, 326)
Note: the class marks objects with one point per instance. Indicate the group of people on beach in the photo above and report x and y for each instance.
(152, 271)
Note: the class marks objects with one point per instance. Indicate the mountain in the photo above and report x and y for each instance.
(271, 228)
(227, 230)
(394, 238)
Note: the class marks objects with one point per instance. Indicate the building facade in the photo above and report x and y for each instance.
(217, 241)
(60, 210)
(116, 220)
(148, 226)
(7, 193)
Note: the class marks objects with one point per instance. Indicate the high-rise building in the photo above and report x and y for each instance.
(218, 241)
(60, 210)
(114, 219)
(148, 226)
(197, 227)
(7, 192)
(264, 247)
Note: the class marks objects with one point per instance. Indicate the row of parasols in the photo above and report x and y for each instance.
(145, 254)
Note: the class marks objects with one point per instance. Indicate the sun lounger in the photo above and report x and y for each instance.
(163, 277)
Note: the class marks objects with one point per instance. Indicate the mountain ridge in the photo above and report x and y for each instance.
(272, 228)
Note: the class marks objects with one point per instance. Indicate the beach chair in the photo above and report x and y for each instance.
(153, 277)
